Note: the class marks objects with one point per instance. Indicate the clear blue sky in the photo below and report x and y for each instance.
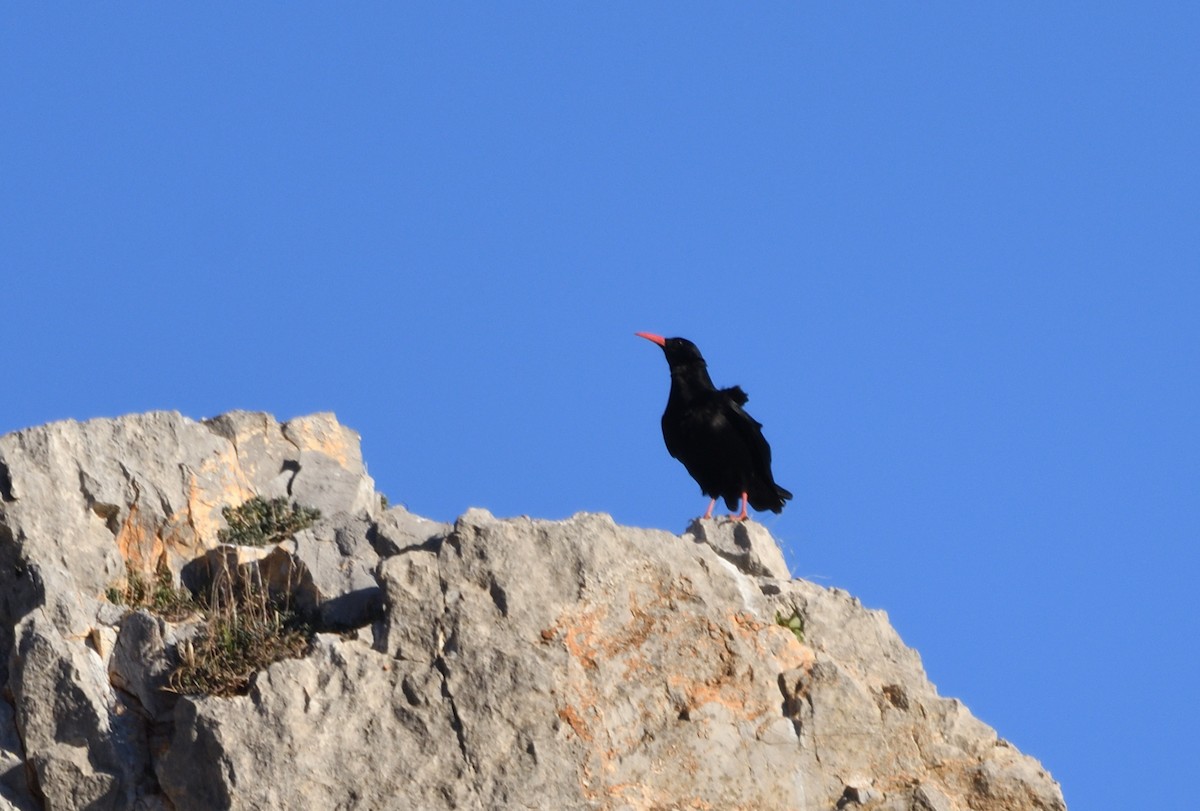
(952, 253)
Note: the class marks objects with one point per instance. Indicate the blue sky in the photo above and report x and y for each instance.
(951, 252)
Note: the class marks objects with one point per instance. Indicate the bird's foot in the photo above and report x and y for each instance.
(743, 515)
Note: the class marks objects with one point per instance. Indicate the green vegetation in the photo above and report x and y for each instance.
(259, 522)
(244, 626)
(159, 596)
(794, 623)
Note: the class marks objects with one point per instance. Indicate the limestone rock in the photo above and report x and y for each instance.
(342, 561)
(494, 663)
(745, 544)
(78, 737)
(312, 460)
(14, 786)
(141, 662)
(82, 504)
(398, 531)
(344, 728)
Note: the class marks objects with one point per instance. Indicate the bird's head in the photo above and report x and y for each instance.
(680, 352)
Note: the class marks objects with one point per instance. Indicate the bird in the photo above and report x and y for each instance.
(709, 431)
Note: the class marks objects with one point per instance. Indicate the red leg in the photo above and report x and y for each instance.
(743, 515)
(708, 512)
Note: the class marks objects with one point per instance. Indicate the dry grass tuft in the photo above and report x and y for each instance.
(245, 630)
(245, 626)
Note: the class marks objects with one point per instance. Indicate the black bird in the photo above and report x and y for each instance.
(707, 429)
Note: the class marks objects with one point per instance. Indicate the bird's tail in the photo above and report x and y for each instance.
(771, 500)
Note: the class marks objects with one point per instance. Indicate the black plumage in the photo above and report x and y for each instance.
(707, 430)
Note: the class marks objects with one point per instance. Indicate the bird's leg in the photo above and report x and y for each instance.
(743, 515)
(708, 512)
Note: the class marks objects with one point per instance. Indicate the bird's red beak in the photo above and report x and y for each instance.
(650, 336)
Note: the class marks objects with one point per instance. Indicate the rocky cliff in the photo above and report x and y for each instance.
(495, 663)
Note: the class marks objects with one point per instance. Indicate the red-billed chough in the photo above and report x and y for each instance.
(707, 430)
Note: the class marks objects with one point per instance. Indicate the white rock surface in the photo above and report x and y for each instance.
(496, 664)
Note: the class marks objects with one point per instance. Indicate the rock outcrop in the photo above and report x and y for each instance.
(494, 663)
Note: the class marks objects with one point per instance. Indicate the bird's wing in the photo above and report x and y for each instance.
(736, 394)
(750, 430)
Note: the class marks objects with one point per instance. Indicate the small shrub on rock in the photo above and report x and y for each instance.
(244, 627)
(259, 522)
(159, 596)
(794, 623)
